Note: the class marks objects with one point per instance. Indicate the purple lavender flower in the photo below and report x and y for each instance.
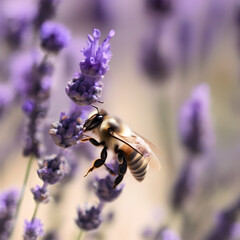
(8, 204)
(54, 37)
(52, 169)
(183, 185)
(104, 189)
(33, 229)
(37, 82)
(68, 130)
(89, 219)
(34, 112)
(154, 62)
(40, 194)
(35, 91)
(46, 10)
(86, 87)
(15, 29)
(194, 125)
(166, 234)
(225, 223)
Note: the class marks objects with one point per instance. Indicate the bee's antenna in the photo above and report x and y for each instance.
(95, 107)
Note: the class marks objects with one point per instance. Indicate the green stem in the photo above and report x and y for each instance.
(35, 211)
(81, 233)
(30, 161)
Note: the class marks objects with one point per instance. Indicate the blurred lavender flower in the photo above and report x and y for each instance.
(6, 98)
(15, 29)
(185, 39)
(163, 7)
(52, 169)
(46, 11)
(33, 229)
(184, 184)
(85, 88)
(89, 219)
(154, 59)
(54, 37)
(8, 205)
(104, 189)
(166, 234)
(52, 235)
(68, 130)
(32, 142)
(36, 81)
(194, 124)
(40, 194)
(225, 223)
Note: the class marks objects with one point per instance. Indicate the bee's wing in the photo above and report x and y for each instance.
(154, 154)
(143, 146)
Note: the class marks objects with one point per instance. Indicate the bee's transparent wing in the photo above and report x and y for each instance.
(143, 146)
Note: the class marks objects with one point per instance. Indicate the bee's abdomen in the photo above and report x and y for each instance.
(137, 165)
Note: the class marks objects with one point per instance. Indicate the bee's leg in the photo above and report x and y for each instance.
(98, 162)
(109, 170)
(92, 141)
(121, 169)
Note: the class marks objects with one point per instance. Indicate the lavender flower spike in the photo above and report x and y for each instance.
(52, 169)
(89, 219)
(33, 229)
(105, 191)
(86, 87)
(54, 37)
(194, 125)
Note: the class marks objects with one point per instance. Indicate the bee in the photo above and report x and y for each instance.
(132, 150)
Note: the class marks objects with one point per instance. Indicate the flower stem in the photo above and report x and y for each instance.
(81, 233)
(30, 161)
(35, 211)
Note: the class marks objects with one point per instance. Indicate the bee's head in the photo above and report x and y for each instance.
(94, 121)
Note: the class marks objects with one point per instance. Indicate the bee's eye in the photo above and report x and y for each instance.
(99, 117)
(94, 122)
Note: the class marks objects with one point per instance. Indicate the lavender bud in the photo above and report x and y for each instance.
(46, 10)
(67, 131)
(8, 205)
(86, 87)
(89, 219)
(33, 229)
(54, 37)
(40, 194)
(104, 189)
(52, 169)
(194, 124)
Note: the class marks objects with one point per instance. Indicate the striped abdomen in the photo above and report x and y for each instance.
(136, 163)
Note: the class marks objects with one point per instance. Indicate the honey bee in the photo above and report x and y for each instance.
(132, 150)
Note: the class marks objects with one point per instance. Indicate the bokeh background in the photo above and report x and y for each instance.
(162, 51)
